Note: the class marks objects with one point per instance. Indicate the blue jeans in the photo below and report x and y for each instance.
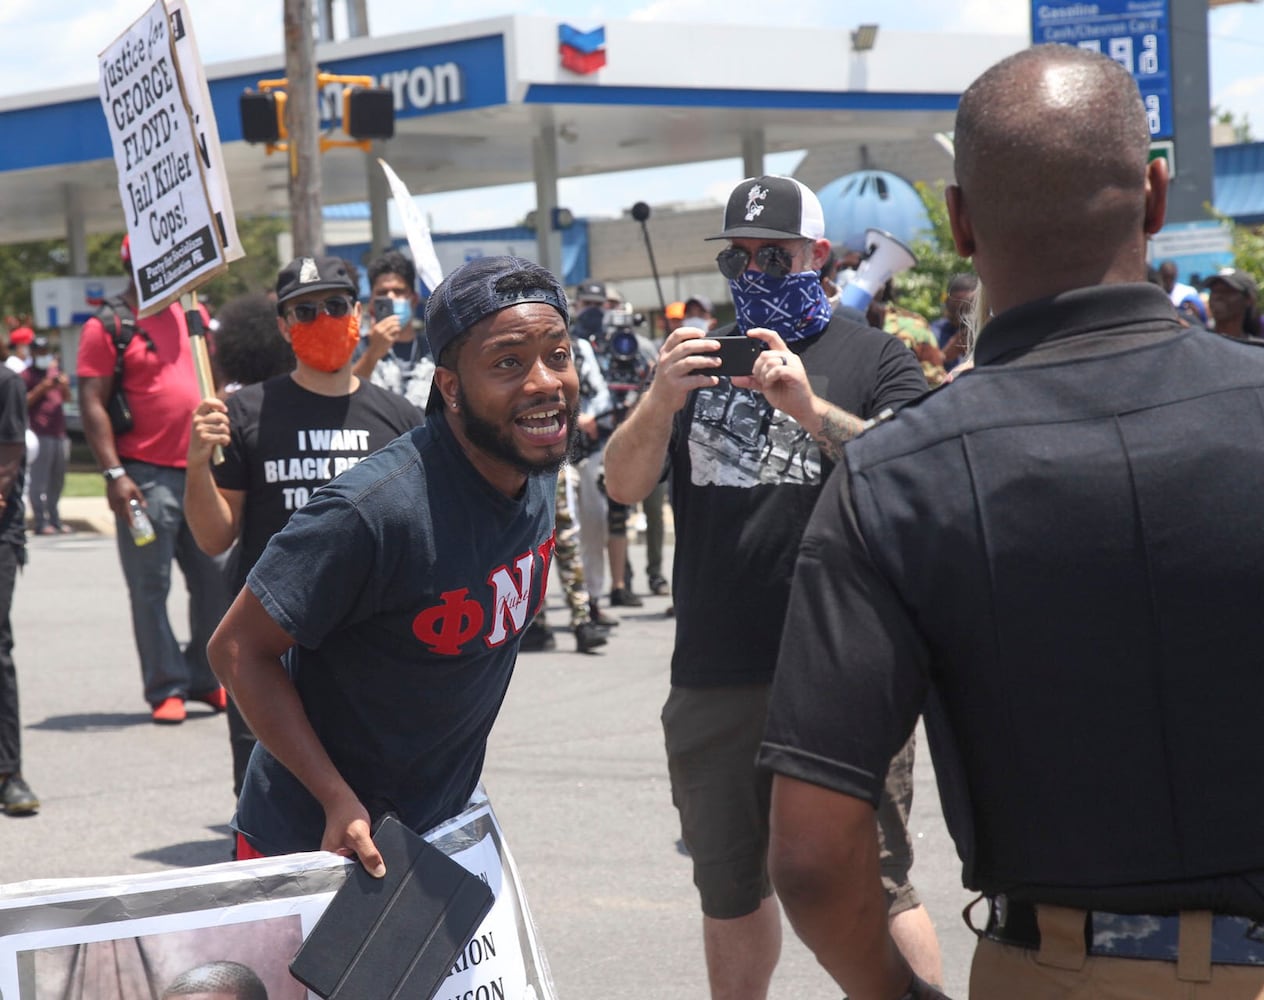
(167, 670)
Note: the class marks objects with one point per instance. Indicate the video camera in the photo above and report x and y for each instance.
(619, 352)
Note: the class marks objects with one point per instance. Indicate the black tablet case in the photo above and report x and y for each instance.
(396, 936)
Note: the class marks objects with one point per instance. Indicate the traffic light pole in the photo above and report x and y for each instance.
(303, 123)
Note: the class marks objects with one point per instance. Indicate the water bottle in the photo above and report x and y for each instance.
(138, 521)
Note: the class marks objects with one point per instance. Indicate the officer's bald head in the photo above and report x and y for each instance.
(1051, 157)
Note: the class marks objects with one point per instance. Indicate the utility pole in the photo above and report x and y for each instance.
(357, 18)
(379, 193)
(302, 119)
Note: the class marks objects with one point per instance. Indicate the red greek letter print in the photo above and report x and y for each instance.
(447, 627)
(546, 560)
(509, 603)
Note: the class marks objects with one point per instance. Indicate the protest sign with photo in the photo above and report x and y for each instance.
(132, 937)
(175, 241)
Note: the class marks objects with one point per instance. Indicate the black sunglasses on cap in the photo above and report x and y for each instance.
(336, 306)
(774, 261)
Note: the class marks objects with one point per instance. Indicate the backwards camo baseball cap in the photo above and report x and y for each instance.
(772, 207)
(484, 286)
(479, 288)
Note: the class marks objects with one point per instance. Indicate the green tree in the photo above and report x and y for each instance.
(257, 271)
(923, 287)
(1241, 126)
(1248, 250)
(19, 265)
(1248, 244)
(22, 263)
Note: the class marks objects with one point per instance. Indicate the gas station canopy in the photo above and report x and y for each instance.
(491, 102)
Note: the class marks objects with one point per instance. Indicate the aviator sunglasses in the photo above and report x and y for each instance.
(774, 261)
(336, 306)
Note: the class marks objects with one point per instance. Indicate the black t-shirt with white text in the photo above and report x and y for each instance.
(288, 441)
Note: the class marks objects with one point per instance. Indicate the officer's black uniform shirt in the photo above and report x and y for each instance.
(1061, 555)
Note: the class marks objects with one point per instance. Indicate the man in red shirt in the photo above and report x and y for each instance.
(145, 465)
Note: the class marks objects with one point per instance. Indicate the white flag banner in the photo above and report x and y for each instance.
(198, 96)
(130, 937)
(175, 242)
(415, 229)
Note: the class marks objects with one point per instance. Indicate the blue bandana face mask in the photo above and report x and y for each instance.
(795, 306)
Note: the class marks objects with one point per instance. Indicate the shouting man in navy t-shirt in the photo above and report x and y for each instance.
(373, 643)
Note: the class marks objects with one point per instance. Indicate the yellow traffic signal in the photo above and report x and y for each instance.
(368, 113)
(263, 116)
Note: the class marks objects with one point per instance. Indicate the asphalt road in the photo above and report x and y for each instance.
(575, 771)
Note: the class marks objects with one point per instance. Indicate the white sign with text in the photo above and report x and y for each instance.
(198, 96)
(175, 242)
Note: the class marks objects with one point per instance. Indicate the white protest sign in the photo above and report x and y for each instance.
(415, 229)
(503, 960)
(175, 242)
(198, 96)
(134, 934)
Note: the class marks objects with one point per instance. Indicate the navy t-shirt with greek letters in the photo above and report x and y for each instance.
(406, 584)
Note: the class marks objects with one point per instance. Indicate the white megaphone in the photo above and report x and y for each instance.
(885, 256)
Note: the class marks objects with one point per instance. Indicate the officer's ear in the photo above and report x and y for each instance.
(1156, 195)
(959, 220)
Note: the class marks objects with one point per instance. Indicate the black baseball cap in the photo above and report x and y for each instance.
(313, 274)
(774, 207)
(591, 290)
(1237, 280)
(469, 294)
(702, 301)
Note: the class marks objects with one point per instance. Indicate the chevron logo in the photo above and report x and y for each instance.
(581, 52)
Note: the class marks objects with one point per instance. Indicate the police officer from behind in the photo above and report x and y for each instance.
(1087, 501)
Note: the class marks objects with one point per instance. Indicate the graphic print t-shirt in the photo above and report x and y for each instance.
(745, 478)
(287, 442)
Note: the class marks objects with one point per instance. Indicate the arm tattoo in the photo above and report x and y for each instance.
(837, 428)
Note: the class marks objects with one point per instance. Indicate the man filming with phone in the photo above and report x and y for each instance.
(393, 354)
(747, 422)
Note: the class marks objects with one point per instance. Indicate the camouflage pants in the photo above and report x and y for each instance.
(566, 553)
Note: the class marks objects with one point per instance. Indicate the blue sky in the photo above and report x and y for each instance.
(57, 42)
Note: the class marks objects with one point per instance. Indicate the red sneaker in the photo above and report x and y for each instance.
(169, 712)
(217, 699)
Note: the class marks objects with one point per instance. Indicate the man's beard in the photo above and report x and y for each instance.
(488, 438)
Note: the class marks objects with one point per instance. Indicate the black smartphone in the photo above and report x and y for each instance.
(737, 355)
(382, 307)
